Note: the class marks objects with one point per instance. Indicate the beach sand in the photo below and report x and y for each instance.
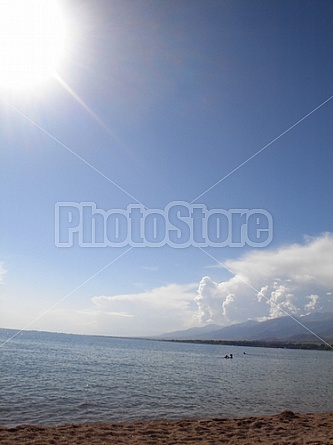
(281, 429)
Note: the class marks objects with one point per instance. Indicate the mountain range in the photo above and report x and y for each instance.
(309, 329)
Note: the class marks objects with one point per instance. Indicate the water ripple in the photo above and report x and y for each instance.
(54, 378)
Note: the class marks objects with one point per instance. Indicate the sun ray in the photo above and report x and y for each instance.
(70, 90)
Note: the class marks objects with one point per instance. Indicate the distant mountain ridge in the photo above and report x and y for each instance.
(296, 329)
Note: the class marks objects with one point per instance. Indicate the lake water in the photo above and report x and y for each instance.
(56, 378)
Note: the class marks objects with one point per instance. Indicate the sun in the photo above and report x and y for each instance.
(32, 41)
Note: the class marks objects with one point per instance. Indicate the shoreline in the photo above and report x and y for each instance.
(280, 429)
(276, 344)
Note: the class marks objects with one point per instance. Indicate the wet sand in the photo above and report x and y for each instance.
(282, 429)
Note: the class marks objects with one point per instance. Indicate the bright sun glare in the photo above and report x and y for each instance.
(32, 41)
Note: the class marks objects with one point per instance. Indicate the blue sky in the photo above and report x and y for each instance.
(173, 96)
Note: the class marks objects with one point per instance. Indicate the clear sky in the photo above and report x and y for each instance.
(157, 101)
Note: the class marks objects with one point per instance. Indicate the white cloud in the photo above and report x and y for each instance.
(150, 268)
(295, 279)
(2, 271)
(216, 301)
(146, 313)
(313, 303)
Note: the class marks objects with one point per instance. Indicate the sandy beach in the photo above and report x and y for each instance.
(281, 429)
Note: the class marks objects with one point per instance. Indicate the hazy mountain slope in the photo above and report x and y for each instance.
(282, 328)
(192, 333)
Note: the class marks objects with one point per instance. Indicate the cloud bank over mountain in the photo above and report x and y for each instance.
(295, 279)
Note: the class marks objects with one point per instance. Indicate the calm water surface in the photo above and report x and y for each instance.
(55, 378)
